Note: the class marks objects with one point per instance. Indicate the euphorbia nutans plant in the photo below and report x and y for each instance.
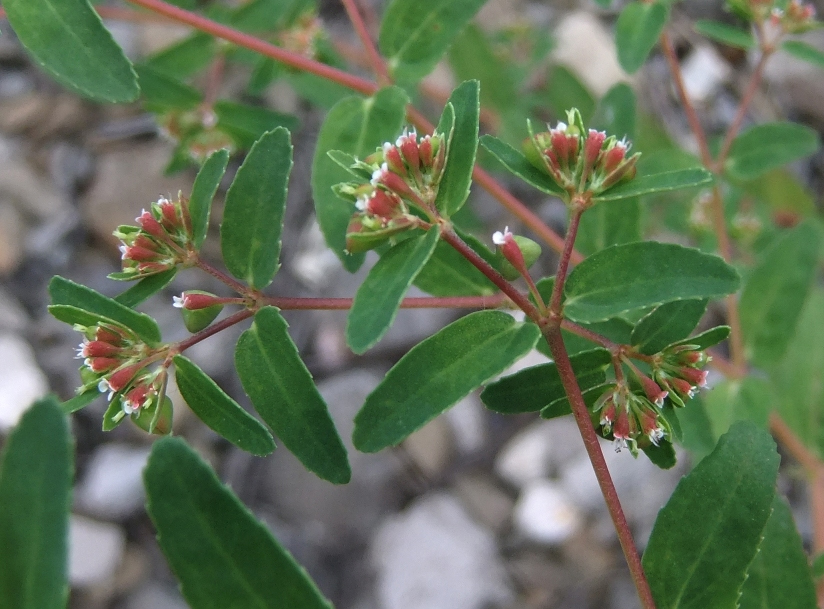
(618, 318)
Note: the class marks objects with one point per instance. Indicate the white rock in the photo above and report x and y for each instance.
(704, 71)
(21, 379)
(153, 595)
(12, 233)
(525, 457)
(434, 556)
(468, 421)
(113, 485)
(95, 550)
(12, 316)
(544, 513)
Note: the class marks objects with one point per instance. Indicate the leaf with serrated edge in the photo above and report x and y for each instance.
(203, 191)
(670, 322)
(637, 30)
(356, 126)
(284, 395)
(453, 188)
(437, 373)
(708, 532)
(518, 164)
(635, 275)
(379, 296)
(69, 293)
(35, 492)
(250, 235)
(145, 288)
(68, 39)
(221, 554)
(220, 412)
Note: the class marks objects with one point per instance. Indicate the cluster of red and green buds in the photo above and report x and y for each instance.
(794, 17)
(397, 179)
(196, 131)
(632, 420)
(161, 241)
(116, 361)
(581, 161)
(677, 370)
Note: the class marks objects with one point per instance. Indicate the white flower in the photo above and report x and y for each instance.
(499, 238)
(656, 435)
(177, 301)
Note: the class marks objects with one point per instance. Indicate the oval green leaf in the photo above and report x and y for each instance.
(203, 191)
(448, 273)
(637, 30)
(517, 164)
(437, 373)
(284, 394)
(804, 51)
(615, 113)
(669, 323)
(457, 176)
(379, 296)
(145, 288)
(725, 34)
(612, 224)
(68, 40)
(65, 292)
(220, 412)
(35, 492)
(247, 124)
(250, 236)
(767, 146)
(162, 92)
(635, 275)
(358, 127)
(748, 399)
(221, 554)
(775, 291)
(658, 182)
(415, 35)
(709, 531)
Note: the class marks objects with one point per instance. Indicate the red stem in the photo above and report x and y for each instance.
(377, 63)
(341, 304)
(212, 330)
(236, 285)
(590, 335)
(563, 264)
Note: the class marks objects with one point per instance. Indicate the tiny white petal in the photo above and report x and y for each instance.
(362, 203)
(498, 238)
(177, 301)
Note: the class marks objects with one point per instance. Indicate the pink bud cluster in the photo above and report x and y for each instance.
(676, 369)
(196, 131)
(161, 241)
(778, 16)
(630, 419)
(583, 160)
(115, 360)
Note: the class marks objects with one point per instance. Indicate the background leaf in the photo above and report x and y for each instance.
(779, 575)
(250, 235)
(415, 34)
(221, 554)
(186, 57)
(725, 34)
(616, 112)
(35, 492)
(658, 182)
(437, 373)
(775, 291)
(356, 126)
(284, 394)
(709, 531)
(448, 273)
(805, 51)
(637, 30)
(637, 275)
(767, 146)
(65, 292)
(68, 39)
(457, 176)
(612, 224)
(247, 124)
(220, 412)
(747, 399)
(379, 296)
(203, 191)
(667, 324)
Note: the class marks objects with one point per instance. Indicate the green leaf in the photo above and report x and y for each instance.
(560, 407)
(356, 126)
(564, 91)
(709, 531)
(747, 399)
(203, 191)
(65, 292)
(472, 57)
(779, 575)
(248, 124)
(379, 296)
(80, 401)
(437, 373)
(35, 492)
(163, 92)
(725, 34)
(612, 224)
(658, 182)
(531, 389)
(457, 176)
(775, 291)
(448, 273)
(284, 394)
(696, 429)
(221, 554)
(797, 377)
(145, 288)
(818, 566)
(517, 164)
(767, 146)
(635, 275)
(250, 236)
(707, 339)
(805, 52)
(616, 112)
(68, 40)
(220, 412)
(666, 324)
(637, 30)
(415, 35)
(662, 455)
(186, 57)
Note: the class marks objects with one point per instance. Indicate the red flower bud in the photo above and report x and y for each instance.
(425, 151)
(149, 224)
(698, 378)
(409, 148)
(98, 349)
(382, 204)
(103, 364)
(139, 254)
(394, 161)
(654, 393)
(510, 250)
(614, 157)
(622, 425)
(592, 146)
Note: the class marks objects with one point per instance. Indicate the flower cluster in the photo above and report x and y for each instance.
(161, 241)
(631, 419)
(581, 160)
(676, 370)
(784, 17)
(393, 181)
(196, 132)
(116, 361)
